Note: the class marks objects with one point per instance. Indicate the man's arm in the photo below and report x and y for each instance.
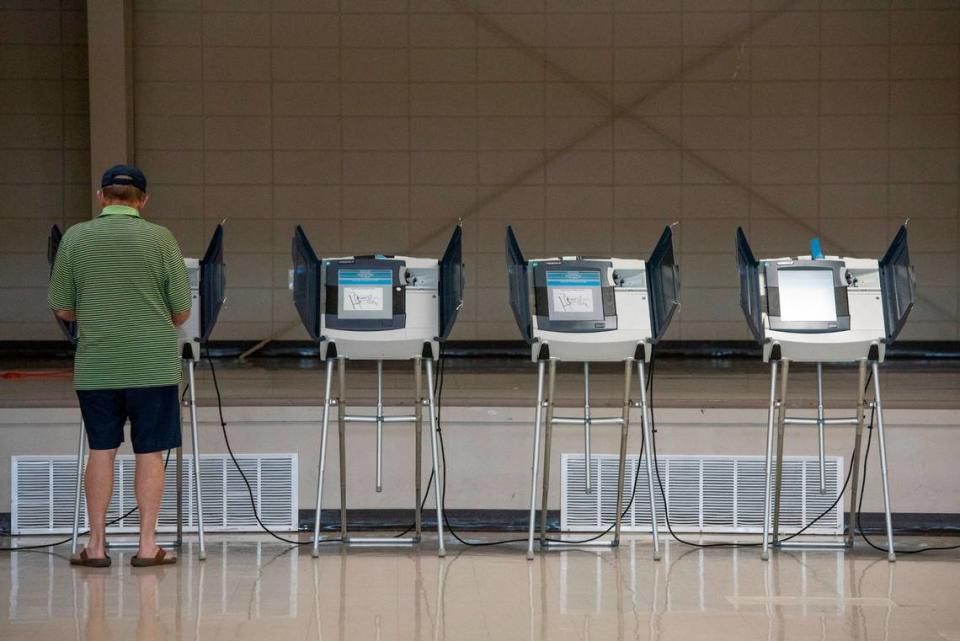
(179, 318)
(66, 315)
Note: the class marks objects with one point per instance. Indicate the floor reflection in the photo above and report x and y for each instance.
(262, 590)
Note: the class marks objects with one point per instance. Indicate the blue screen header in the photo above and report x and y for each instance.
(573, 278)
(365, 277)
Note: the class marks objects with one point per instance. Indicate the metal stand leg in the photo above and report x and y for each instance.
(323, 457)
(196, 458)
(622, 465)
(884, 477)
(538, 415)
(178, 467)
(586, 428)
(342, 426)
(547, 441)
(437, 469)
(768, 461)
(648, 455)
(379, 426)
(418, 439)
(855, 463)
(781, 421)
(179, 474)
(820, 426)
(77, 493)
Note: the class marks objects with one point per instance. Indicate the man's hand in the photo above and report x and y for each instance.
(66, 315)
(179, 318)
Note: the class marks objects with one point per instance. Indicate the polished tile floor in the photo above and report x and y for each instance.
(252, 588)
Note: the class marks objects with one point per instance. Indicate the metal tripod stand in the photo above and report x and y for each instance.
(777, 414)
(380, 419)
(587, 422)
(178, 541)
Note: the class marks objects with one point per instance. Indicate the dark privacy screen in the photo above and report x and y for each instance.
(519, 286)
(451, 283)
(306, 282)
(897, 285)
(213, 284)
(69, 329)
(663, 282)
(748, 268)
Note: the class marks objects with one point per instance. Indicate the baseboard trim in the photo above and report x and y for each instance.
(517, 521)
(500, 349)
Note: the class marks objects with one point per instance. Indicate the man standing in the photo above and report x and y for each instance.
(123, 280)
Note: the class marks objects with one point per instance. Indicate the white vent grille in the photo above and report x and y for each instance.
(705, 494)
(42, 489)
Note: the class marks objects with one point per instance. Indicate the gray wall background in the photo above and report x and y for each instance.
(587, 125)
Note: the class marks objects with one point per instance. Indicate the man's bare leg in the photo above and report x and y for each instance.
(99, 488)
(149, 488)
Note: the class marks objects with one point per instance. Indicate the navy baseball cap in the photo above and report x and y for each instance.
(124, 175)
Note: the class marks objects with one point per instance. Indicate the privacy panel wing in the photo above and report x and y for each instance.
(663, 283)
(451, 283)
(519, 286)
(68, 328)
(306, 283)
(897, 284)
(213, 284)
(748, 268)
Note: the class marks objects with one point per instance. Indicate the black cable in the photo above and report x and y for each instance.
(666, 509)
(446, 519)
(79, 534)
(443, 459)
(863, 485)
(422, 504)
(429, 480)
(236, 463)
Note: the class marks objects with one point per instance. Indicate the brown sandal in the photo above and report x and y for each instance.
(84, 560)
(160, 558)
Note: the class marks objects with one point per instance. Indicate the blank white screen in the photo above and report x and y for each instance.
(807, 295)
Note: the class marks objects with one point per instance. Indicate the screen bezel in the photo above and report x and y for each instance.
(332, 318)
(579, 282)
(362, 275)
(541, 296)
(777, 323)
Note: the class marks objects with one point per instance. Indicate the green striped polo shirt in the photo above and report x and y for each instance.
(123, 277)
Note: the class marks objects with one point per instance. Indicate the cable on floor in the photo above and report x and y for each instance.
(236, 463)
(863, 484)
(663, 494)
(446, 519)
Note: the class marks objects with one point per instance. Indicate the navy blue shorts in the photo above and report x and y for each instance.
(154, 414)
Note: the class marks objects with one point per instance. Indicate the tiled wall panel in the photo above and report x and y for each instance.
(44, 153)
(587, 125)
